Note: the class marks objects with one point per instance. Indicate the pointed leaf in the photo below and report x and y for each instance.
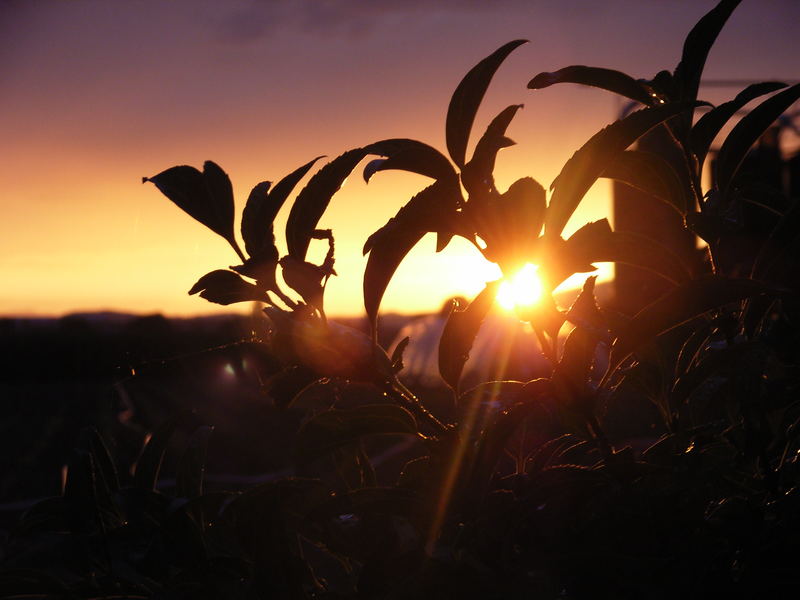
(550, 452)
(467, 98)
(711, 123)
(262, 207)
(192, 465)
(595, 242)
(686, 79)
(477, 175)
(747, 132)
(226, 287)
(443, 238)
(373, 167)
(257, 227)
(221, 189)
(428, 211)
(333, 429)
(256, 230)
(206, 196)
(280, 192)
(696, 47)
(606, 79)
(80, 492)
(313, 199)
(681, 304)
(408, 155)
(572, 372)
(103, 460)
(713, 363)
(585, 313)
(650, 173)
(386, 254)
(397, 354)
(595, 156)
(148, 466)
(459, 334)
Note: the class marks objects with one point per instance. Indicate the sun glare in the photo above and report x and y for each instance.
(523, 289)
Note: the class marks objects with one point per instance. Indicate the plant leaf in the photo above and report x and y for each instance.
(397, 354)
(477, 174)
(571, 375)
(333, 429)
(206, 197)
(650, 173)
(779, 249)
(102, 460)
(696, 47)
(262, 207)
(585, 313)
(221, 190)
(226, 287)
(281, 190)
(467, 98)
(747, 131)
(595, 242)
(426, 211)
(80, 492)
(305, 278)
(606, 79)
(681, 304)
(711, 123)
(686, 78)
(191, 467)
(148, 466)
(385, 256)
(314, 198)
(408, 155)
(459, 334)
(510, 223)
(257, 232)
(496, 435)
(595, 156)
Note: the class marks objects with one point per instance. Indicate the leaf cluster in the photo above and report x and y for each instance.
(522, 489)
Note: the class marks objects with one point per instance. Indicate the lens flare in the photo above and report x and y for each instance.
(523, 289)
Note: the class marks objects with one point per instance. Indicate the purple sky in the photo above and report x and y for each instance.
(96, 94)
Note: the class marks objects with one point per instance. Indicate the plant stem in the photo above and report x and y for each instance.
(284, 298)
(395, 389)
(600, 437)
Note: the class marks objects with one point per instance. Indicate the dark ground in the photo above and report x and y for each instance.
(124, 375)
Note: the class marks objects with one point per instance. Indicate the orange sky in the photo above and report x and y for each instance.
(97, 94)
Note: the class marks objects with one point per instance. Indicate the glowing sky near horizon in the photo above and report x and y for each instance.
(96, 94)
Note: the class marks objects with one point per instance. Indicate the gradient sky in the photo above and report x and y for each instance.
(96, 94)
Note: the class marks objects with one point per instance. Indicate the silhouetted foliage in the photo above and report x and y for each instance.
(521, 490)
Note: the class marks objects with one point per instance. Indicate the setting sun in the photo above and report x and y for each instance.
(523, 289)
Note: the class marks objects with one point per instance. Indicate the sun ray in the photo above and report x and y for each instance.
(522, 289)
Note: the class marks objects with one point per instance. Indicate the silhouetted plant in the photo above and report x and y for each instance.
(710, 509)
